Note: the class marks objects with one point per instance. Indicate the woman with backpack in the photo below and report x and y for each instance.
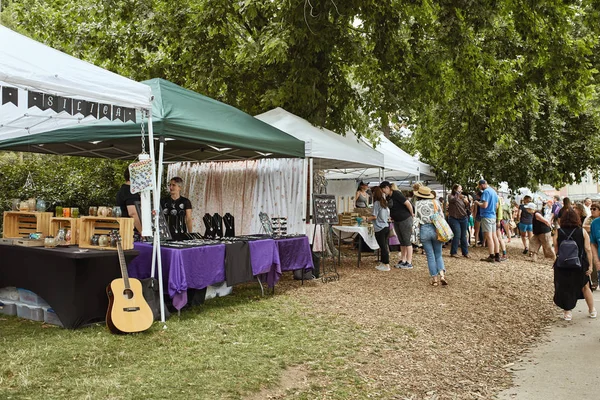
(572, 268)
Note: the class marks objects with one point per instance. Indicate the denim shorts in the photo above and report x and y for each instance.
(525, 227)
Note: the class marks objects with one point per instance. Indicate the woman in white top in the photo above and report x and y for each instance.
(381, 225)
(426, 206)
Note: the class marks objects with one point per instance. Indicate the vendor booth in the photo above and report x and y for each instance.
(55, 104)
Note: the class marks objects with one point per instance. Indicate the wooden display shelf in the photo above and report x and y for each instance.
(19, 224)
(89, 226)
(57, 223)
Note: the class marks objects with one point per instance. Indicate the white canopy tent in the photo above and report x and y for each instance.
(36, 79)
(328, 149)
(324, 149)
(398, 165)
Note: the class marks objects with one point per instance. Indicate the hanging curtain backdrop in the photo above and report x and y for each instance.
(244, 188)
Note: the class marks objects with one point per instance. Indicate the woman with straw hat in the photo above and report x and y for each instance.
(426, 206)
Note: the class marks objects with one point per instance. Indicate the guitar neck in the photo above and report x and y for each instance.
(123, 264)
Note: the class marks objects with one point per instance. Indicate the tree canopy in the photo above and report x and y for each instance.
(503, 89)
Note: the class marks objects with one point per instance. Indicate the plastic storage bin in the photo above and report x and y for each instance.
(50, 317)
(30, 312)
(8, 308)
(28, 297)
(9, 293)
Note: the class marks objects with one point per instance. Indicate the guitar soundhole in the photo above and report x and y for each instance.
(128, 294)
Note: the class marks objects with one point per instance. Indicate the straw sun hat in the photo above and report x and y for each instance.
(424, 193)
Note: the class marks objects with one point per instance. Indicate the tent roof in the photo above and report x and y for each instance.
(398, 165)
(195, 127)
(328, 149)
(28, 64)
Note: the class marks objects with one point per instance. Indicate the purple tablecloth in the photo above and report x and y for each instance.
(294, 253)
(264, 258)
(194, 268)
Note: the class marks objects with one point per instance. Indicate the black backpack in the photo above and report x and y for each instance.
(568, 253)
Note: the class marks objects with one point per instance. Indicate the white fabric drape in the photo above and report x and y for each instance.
(244, 188)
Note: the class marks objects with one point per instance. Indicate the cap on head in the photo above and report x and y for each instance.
(482, 182)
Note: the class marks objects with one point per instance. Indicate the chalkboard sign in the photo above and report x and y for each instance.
(324, 209)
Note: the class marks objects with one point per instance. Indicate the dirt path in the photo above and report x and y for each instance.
(439, 343)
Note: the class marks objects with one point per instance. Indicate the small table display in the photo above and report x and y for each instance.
(364, 232)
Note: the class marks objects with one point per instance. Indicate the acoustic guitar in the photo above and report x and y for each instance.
(128, 311)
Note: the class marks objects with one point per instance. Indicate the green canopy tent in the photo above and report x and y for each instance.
(195, 127)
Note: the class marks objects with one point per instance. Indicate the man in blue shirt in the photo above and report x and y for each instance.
(487, 204)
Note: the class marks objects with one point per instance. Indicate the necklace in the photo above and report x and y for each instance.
(207, 220)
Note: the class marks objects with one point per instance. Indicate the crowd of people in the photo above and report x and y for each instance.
(568, 234)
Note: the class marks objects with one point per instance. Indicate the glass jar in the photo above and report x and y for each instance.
(75, 212)
(31, 203)
(68, 237)
(24, 206)
(66, 212)
(58, 210)
(117, 213)
(103, 241)
(93, 211)
(94, 240)
(49, 241)
(40, 205)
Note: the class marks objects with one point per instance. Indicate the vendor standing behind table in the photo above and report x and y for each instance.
(361, 202)
(177, 209)
(126, 200)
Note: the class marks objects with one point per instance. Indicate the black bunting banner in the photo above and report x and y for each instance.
(10, 95)
(35, 99)
(59, 104)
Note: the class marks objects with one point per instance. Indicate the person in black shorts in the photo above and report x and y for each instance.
(401, 211)
(177, 209)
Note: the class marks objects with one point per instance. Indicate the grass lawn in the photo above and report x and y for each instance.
(229, 348)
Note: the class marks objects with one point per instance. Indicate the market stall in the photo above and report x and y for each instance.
(44, 90)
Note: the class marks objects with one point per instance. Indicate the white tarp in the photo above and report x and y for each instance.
(29, 65)
(398, 165)
(328, 149)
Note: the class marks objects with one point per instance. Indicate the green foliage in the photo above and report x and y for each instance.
(67, 181)
(501, 89)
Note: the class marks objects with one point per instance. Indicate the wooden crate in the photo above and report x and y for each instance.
(57, 223)
(19, 224)
(89, 226)
(29, 242)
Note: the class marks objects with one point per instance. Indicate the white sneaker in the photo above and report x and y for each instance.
(382, 267)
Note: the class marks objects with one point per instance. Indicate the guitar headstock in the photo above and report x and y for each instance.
(114, 235)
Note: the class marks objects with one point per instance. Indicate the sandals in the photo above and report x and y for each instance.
(434, 281)
(593, 313)
(568, 316)
(443, 278)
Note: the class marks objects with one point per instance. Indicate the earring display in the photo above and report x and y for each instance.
(266, 223)
(279, 225)
(325, 209)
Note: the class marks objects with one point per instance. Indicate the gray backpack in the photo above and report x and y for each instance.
(568, 253)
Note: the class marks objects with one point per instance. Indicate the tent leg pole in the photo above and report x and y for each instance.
(304, 194)
(156, 206)
(311, 174)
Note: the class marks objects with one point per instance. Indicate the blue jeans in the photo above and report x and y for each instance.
(433, 249)
(459, 227)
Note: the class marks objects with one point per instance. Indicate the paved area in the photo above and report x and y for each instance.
(565, 364)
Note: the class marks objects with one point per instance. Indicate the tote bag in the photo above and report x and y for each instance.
(444, 233)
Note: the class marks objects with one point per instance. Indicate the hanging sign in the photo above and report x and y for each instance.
(71, 106)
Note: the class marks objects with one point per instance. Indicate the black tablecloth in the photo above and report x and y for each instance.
(73, 283)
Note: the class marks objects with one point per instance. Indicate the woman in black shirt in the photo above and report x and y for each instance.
(571, 284)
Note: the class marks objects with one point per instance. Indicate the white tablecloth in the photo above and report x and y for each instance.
(362, 231)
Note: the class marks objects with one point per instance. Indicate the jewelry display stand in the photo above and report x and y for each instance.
(325, 215)
(229, 223)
